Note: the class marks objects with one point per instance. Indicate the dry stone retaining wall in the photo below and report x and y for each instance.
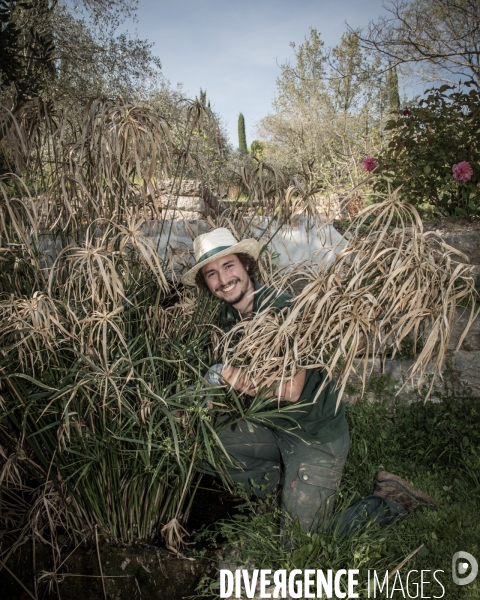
(191, 201)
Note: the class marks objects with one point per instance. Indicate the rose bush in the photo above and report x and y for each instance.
(433, 153)
(462, 172)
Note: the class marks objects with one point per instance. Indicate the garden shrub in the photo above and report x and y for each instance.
(429, 144)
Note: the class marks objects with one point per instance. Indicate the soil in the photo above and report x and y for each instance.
(135, 573)
(212, 503)
(144, 572)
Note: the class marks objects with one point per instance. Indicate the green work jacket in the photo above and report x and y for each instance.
(317, 421)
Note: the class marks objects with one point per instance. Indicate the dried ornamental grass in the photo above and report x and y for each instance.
(33, 327)
(101, 166)
(391, 281)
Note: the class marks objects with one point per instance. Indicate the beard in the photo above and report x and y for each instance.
(239, 297)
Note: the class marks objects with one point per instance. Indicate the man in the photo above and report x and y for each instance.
(304, 448)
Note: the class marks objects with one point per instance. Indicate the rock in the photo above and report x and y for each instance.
(189, 203)
(399, 373)
(374, 367)
(467, 242)
(188, 187)
(185, 215)
(397, 370)
(185, 207)
(476, 274)
(466, 367)
(353, 398)
(472, 339)
(194, 198)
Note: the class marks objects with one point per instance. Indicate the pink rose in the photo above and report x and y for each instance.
(369, 163)
(463, 171)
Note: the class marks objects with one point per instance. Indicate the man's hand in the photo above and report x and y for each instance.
(289, 391)
(236, 378)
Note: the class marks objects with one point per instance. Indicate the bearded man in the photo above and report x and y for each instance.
(305, 449)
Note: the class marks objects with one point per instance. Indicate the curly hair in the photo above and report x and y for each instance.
(248, 262)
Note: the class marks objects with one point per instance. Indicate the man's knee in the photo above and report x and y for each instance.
(311, 485)
(245, 439)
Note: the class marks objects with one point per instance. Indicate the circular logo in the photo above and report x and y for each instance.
(462, 562)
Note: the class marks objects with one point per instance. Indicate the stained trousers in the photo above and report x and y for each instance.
(311, 475)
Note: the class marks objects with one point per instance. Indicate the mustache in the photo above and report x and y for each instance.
(220, 288)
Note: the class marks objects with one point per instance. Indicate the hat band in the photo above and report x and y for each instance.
(211, 253)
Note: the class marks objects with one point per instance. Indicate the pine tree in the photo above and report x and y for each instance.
(242, 138)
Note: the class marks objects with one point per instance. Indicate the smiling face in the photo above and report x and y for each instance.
(228, 280)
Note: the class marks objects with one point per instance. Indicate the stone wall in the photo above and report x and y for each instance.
(191, 201)
(467, 242)
(462, 367)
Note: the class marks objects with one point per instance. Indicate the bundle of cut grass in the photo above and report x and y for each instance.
(391, 281)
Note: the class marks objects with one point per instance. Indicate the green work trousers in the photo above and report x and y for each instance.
(311, 475)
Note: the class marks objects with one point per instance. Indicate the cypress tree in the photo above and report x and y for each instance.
(392, 89)
(242, 138)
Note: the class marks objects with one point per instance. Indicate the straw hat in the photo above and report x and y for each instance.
(215, 244)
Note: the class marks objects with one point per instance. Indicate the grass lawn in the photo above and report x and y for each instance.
(435, 446)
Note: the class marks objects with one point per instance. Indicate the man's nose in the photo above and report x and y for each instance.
(223, 277)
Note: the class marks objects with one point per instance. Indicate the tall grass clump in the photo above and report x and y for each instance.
(104, 414)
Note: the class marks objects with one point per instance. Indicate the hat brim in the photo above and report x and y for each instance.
(249, 246)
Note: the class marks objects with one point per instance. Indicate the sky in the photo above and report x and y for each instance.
(233, 49)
